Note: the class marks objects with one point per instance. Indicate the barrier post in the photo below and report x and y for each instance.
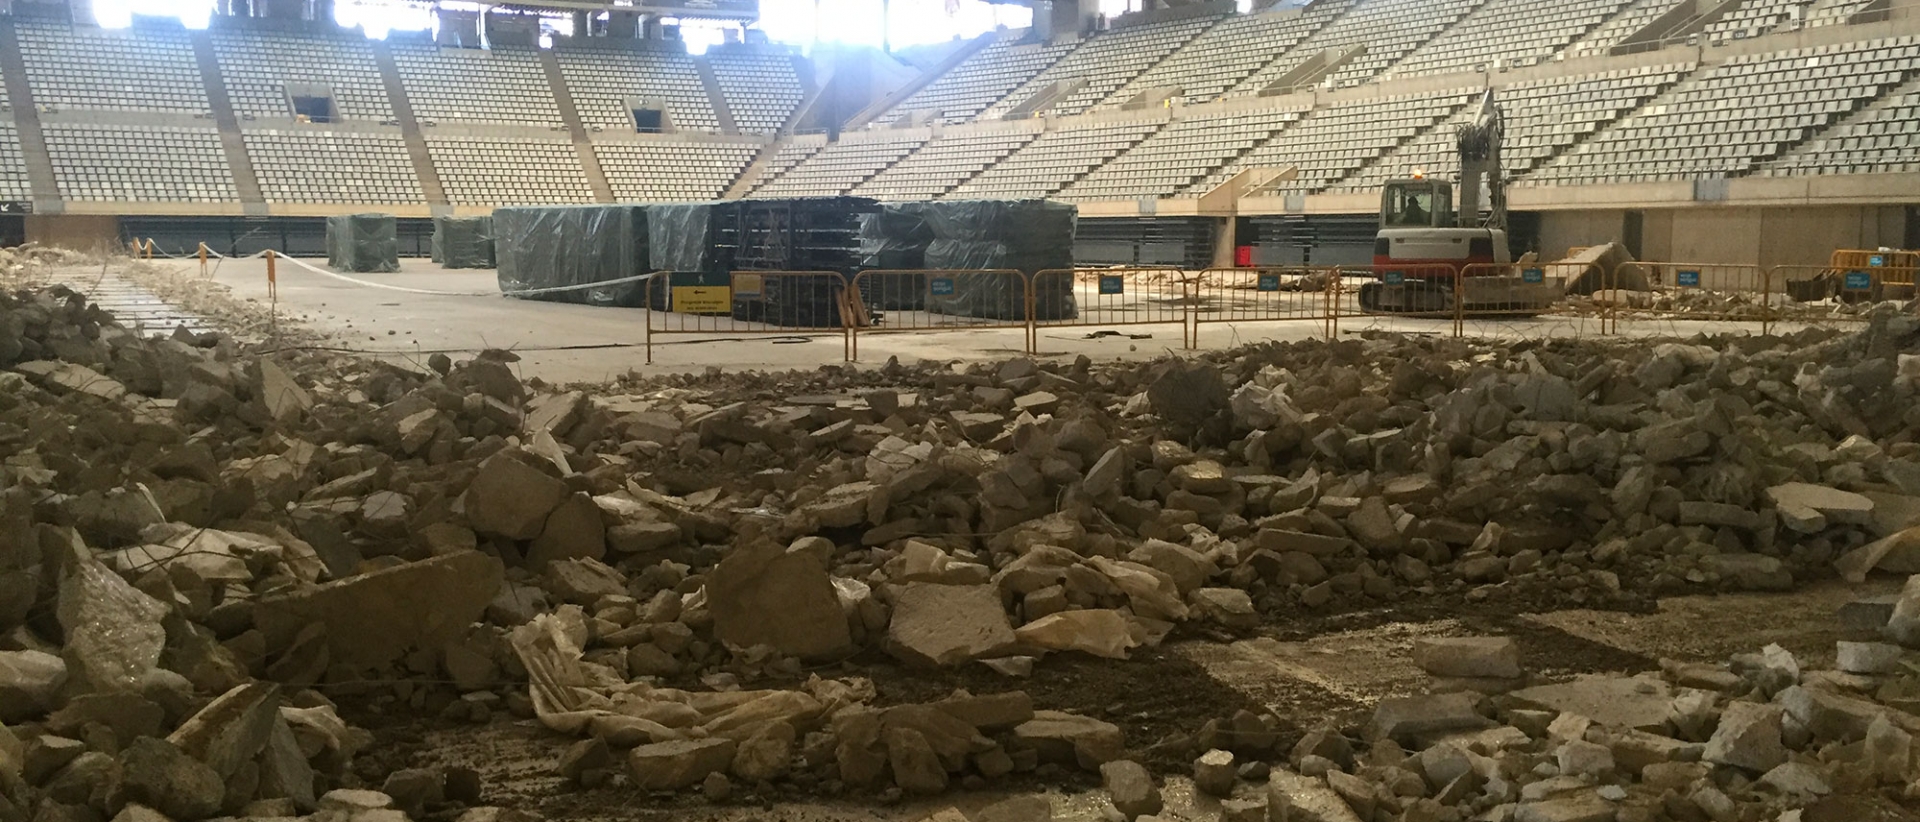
(273, 279)
(1460, 303)
(1766, 301)
(203, 259)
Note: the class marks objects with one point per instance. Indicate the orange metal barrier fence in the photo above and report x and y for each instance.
(1277, 294)
(1086, 297)
(753, 303)
(943, 300)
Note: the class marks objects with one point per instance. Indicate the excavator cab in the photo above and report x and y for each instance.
(1417, 203)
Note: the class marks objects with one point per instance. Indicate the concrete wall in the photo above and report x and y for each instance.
(81, 232)
(1765, 237)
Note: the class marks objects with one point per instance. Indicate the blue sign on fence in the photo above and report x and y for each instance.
(1877, 261)
(1394, 277)
(941, 286)
(1113, 284)
(1269, 282)
(1859, 281)
(1689, 279)
(1532, 275)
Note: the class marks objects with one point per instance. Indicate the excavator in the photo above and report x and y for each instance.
(1424, 246)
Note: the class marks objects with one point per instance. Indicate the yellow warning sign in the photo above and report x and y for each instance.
(702, 299)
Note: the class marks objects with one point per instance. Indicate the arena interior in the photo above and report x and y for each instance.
(1304, 411)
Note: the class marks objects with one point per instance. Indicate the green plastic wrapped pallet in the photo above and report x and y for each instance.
(363, 243)
(463, 242)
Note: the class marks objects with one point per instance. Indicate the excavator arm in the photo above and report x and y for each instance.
(1479, 144)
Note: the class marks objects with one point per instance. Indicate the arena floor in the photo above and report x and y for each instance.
(574, 343)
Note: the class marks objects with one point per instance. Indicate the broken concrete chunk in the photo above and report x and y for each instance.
(779, 597)
(1072, 739)
(374, 618)
(1479, 657)
(1102, 633)
(1402, 718)
(1748, 738)
(510, 498)
(938, 625)
(1215, 773)
(1130, 788)
(113, 630)
(672, 766)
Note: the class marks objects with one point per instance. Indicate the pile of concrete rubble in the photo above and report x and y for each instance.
(1757, 738)
(198, 544)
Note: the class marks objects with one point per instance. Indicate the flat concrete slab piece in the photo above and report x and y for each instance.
(1615, 702)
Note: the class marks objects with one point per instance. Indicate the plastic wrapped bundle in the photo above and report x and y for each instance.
(895, 239)
(1024, 235)
(463, 242)
(363, 243)
(553, 246)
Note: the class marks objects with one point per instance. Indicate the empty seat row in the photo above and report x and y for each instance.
(501, 85)
(1516, 31)
(14, 186)
(1727, 120)
(1637, 16)
(1054, 160)
(838, 168)
(1543, 118)
(71, 67)
(1386, 29)
(941, 164)
(761, 89)
(1229, 52)
(604, 81)
(258, 68)
(1334, 141)
(983, 78)
(316, 166)
(499, 172)
(1179, 154)
(1103, 63)
(664, 171)
(1886, 139)
(142, 164)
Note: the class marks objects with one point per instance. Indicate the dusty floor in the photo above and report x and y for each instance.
(1310, 670)
(573, 343)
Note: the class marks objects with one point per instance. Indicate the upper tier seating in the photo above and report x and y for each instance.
(517, 171)
(258, 67)
(662, 171)
(1103, 63)
(13, 166)
(1521, 32)
(762, 89)
(1883, 140)
(943, 163)
(84, 68)
(1053, 161)
(1388, 29)
(1544, 118)
(1638, 15)
(1172, 159)
(502, 85)
(603, 80)
(969, 88)
(1227, 53)
(1333, 142)
(298, 165)
(1727, 120)
(838, 168)
(145, 164)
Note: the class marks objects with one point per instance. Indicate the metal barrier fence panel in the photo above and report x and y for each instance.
(941, 299)
(1276, 294)
(1112, 297)
(1417, 291)
(1522, 290)
(1815, 294)
(775, 303)
(1694, 291)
